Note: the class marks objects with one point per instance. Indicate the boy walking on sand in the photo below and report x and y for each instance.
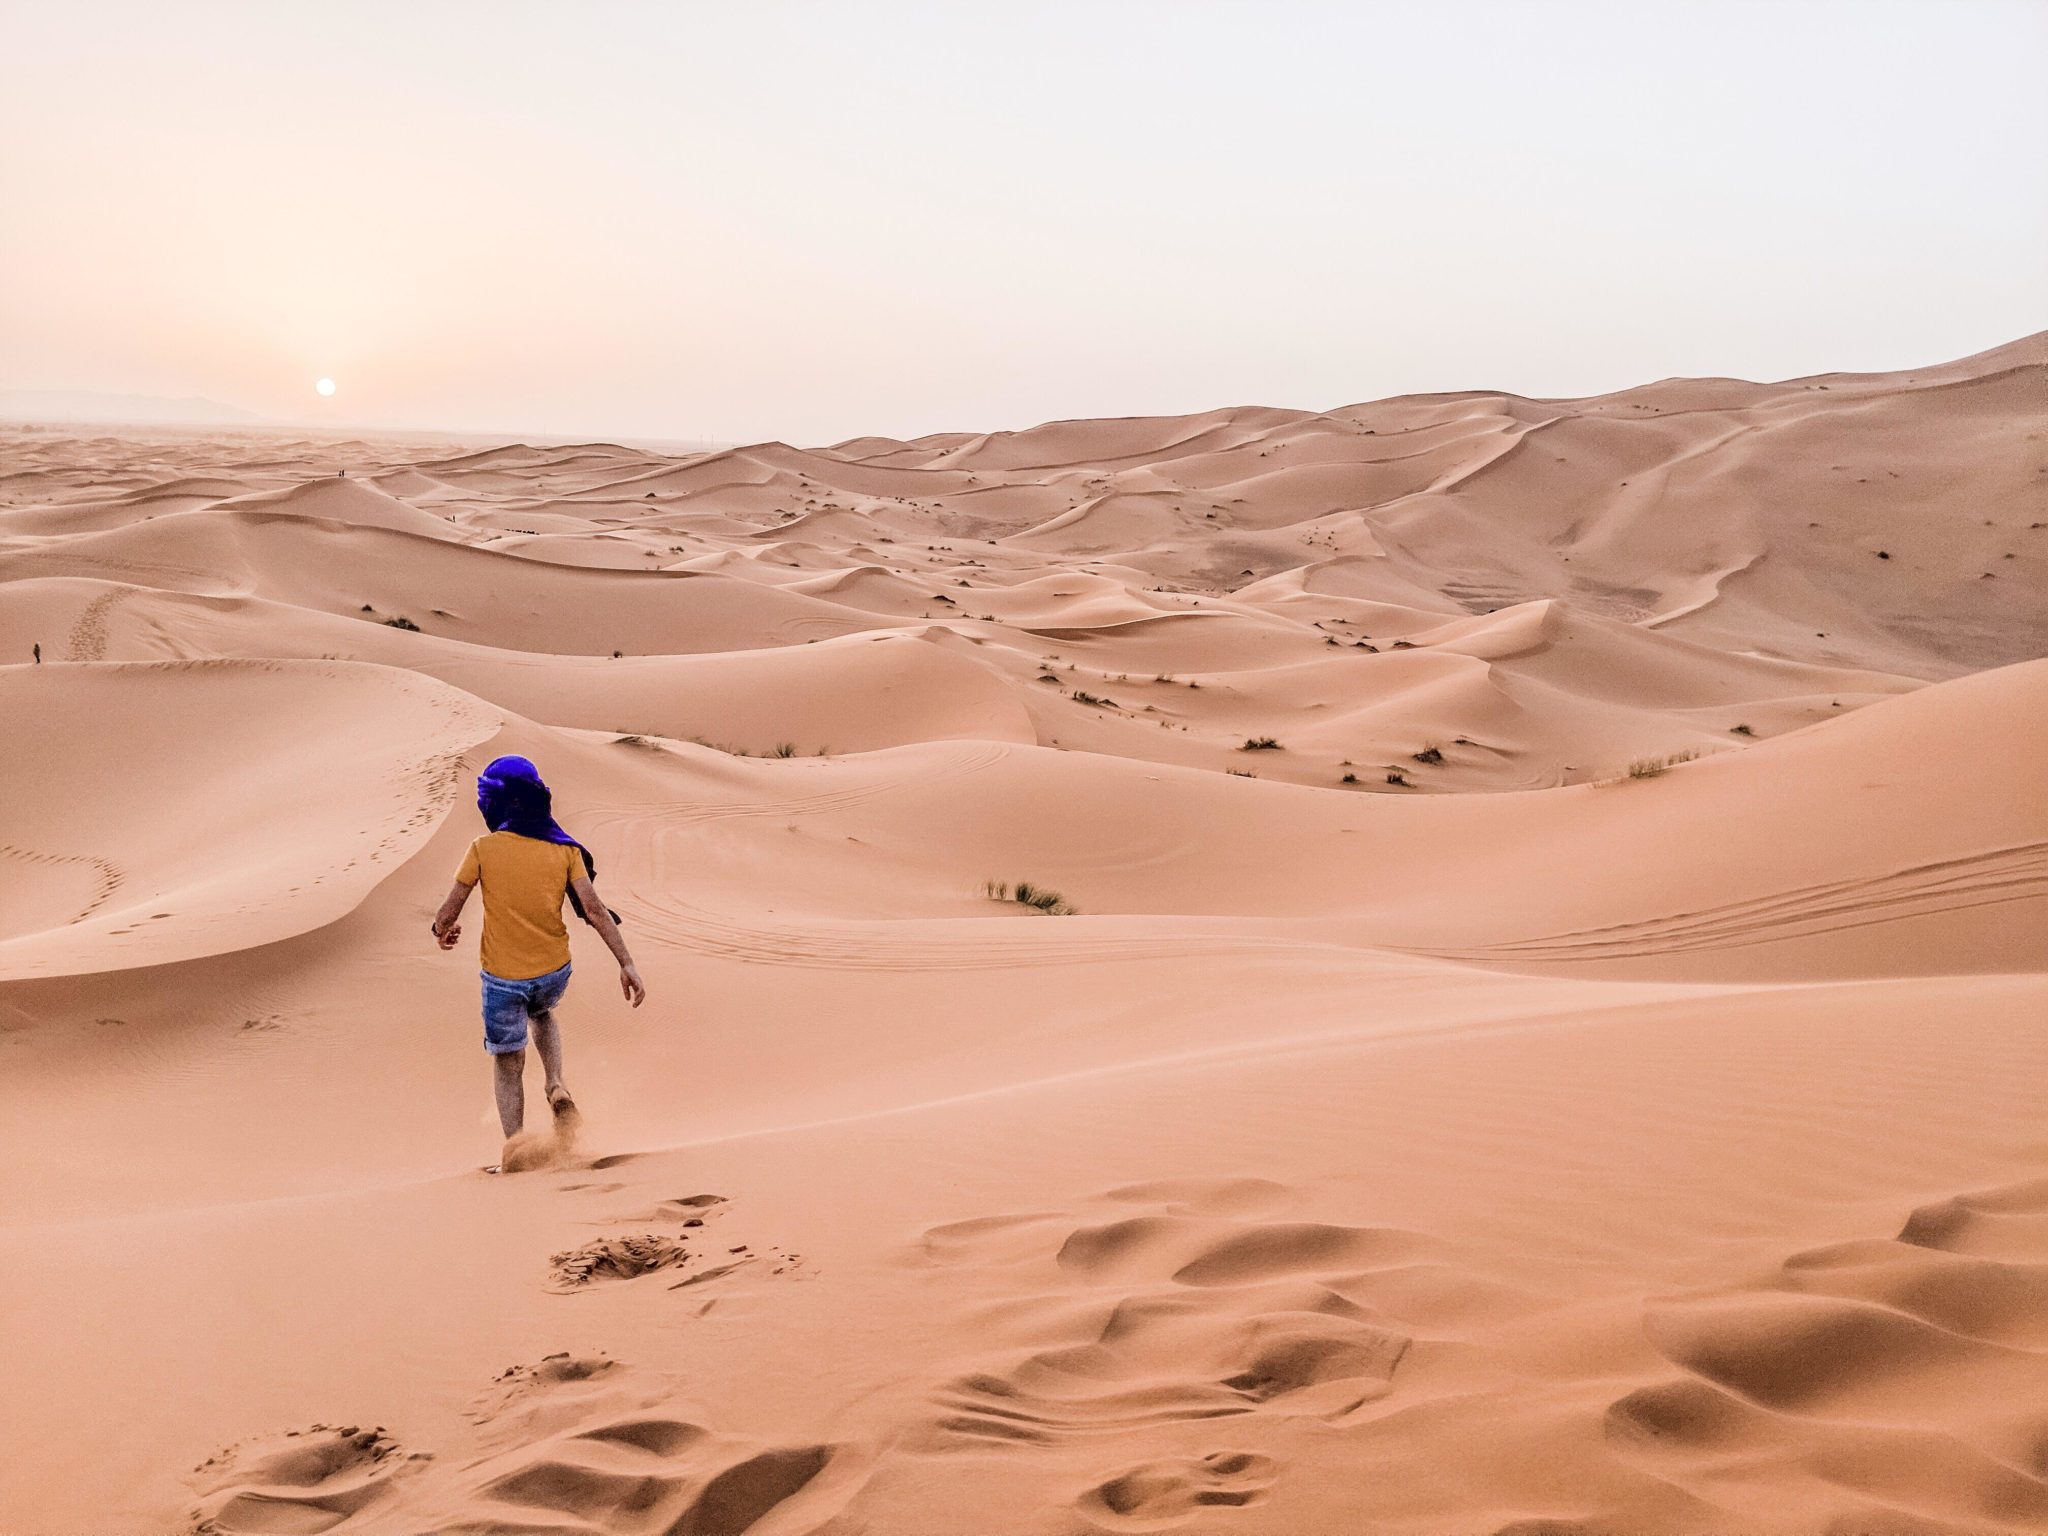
(526, 865)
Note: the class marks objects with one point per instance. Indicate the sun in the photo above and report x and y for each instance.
(324, 386)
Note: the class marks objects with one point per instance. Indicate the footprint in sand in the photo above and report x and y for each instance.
(2007, 1222)
(1162, 1494)
(300, 1481)
(556, 1389)
(630, 1255)
(591, 1444)
(624, 1257)
(654, 1475)
(548, 1146)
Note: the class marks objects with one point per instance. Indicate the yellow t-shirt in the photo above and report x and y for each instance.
(524, 881)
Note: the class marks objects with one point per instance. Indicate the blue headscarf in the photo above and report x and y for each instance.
(512, 798)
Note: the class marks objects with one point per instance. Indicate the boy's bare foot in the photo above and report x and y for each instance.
(559, 1100)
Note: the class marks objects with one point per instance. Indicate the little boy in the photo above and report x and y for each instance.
(526, 865)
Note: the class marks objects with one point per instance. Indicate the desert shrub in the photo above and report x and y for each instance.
(1050, 902)
(1395, 776)
(1349, 778)
(1025, 894)
(785, 749)
(1650, 767)
(1431, 755)
(403, 623)
(1260, 744)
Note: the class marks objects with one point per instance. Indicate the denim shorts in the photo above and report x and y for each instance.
(509, 1004)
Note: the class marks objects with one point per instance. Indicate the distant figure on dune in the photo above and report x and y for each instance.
(526, 864)
(39, 653)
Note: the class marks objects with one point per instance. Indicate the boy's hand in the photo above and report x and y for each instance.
(631, 985)
(445, 929)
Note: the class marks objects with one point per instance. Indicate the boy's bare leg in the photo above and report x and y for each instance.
(511, 1086)
(547, 1039)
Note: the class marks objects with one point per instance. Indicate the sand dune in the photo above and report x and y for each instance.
(342, 500)
(300, 786)
(1547, 1041)
(500, 600)
(811, 698)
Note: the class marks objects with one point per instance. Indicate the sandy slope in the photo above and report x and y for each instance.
(1489, 1140)
(298, 787)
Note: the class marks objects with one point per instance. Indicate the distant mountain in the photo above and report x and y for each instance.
(84, 405)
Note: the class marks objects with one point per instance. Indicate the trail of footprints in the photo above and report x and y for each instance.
(583, 1454)
(573, 1444)
(1198, 1309)
(1203, 1328)
(1840, 1370)
(1187, 1305)
(1181, 1310)
(1185, 1311)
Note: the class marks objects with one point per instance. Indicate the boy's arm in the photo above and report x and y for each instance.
(601, 920)
(446, 929)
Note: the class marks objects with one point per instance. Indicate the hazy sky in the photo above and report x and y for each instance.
(811, 221)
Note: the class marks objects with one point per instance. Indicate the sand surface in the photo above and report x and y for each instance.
(1551, 1036)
